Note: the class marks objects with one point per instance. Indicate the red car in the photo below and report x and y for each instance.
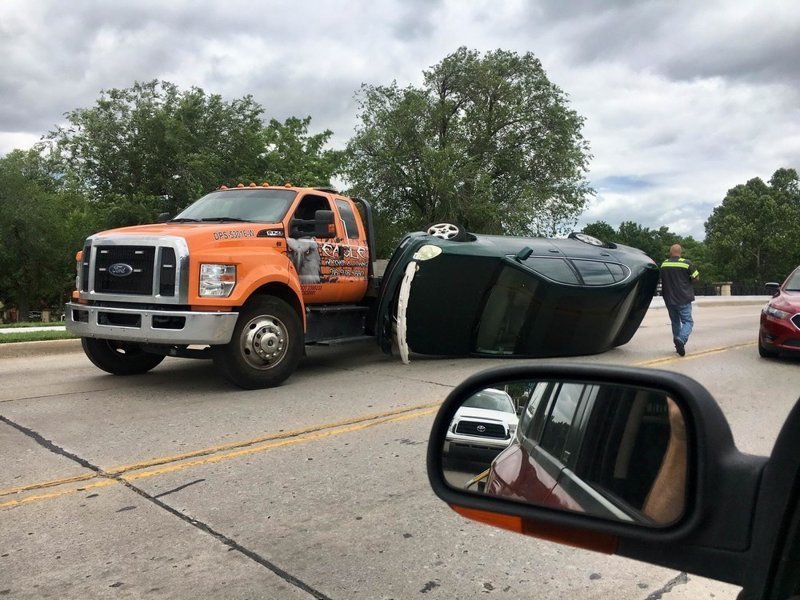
(589, 448)
(780, 318)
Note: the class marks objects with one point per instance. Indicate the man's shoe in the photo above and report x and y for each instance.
(680, 347)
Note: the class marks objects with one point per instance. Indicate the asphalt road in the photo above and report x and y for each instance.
(176, 485)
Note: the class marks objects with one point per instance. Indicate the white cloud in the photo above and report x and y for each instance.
(9, 140)
(682, 100)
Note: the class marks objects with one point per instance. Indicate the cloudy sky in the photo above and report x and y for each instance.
(682, 99)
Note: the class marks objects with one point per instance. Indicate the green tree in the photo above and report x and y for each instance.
(656, 243)
(601, 230)
(488, 142)
(152, 148)
(754, 235)
(292, 155)
(41, 228)
(700, 255)
(154, 140)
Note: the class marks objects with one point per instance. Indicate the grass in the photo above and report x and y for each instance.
(34, 336)
(31, 324)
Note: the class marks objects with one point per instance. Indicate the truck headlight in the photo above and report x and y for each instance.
(217, 281)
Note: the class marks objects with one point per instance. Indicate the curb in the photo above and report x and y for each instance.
(658, 302)
(23, 349)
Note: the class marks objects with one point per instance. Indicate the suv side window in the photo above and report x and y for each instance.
(556, 269)
(558, 424)
(595, 272)
(530, 426)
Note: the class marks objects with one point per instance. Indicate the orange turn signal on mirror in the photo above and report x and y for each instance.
(571, 536)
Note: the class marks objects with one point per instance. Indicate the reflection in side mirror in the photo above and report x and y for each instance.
(614, 452)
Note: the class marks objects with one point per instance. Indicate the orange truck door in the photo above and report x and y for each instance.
(331, 269)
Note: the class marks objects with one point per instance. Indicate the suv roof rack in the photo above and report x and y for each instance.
(327, 189)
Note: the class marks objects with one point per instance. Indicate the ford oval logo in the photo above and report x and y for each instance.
(120, 270)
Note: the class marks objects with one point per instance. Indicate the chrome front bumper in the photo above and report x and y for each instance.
(180, 328)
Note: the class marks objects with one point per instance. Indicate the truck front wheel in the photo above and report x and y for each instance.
(266, 346)
(119, 358)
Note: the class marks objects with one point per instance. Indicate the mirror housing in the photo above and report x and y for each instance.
(773, 287)
(722, 483)
(163, 217)
(324, 225)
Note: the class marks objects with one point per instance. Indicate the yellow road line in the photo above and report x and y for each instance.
(121, 470)
(58, 494)
(221, 452)
(315, 434)
(693, 355)
(278, 444)
(273, 436)
(47, 484)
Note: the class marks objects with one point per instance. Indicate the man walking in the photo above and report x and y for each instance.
(677, 274)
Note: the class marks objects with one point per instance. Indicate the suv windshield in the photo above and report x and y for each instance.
(491, 399)
(261, 205)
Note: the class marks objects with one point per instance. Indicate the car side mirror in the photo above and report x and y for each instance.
(772, 287)
(163, 217)
(629, 461)
(613, 451)
(523, 254)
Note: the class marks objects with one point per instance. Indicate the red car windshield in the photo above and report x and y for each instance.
(793, 282)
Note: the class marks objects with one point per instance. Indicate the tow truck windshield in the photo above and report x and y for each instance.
(254, 205)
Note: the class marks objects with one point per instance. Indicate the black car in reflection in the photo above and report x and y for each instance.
(512, 296)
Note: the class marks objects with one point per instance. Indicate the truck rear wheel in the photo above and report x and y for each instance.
(119, 358)
(266, 346)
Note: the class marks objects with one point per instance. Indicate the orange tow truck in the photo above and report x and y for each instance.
(245, 275)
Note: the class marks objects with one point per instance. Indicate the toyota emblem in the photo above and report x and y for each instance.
(481, 428)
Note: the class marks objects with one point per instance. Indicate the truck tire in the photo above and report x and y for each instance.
(266, 346)
(119, 358)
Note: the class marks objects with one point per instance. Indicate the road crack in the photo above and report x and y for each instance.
(228, 541)
(681, 579)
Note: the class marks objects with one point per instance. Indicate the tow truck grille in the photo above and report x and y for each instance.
(124, 270)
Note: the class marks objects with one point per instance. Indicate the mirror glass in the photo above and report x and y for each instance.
(614, 452)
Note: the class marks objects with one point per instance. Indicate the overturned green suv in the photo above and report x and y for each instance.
(481, 295)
